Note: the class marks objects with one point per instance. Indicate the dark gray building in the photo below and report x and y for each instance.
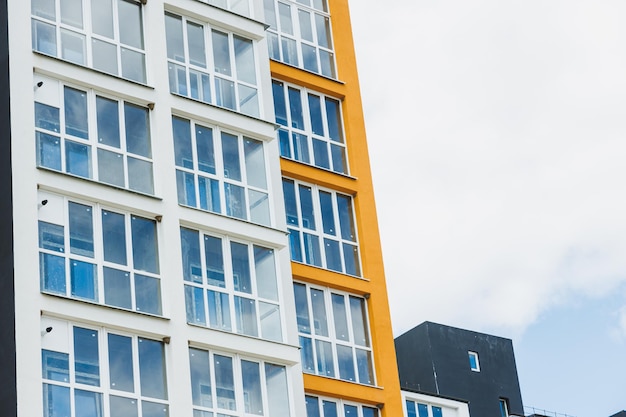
(475, 367)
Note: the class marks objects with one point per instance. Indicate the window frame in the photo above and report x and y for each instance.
(504, 407)
(340, 407)
(137, 277)
(230, 5)
(225, 182)
(289, 133)
(311, 358)
(89, 37)
(229, 288)
(473, 361)
(421, 409)
(302, 237)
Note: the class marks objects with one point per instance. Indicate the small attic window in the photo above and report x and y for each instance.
(473, 360)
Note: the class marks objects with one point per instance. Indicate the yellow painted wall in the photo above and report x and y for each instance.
(359, 185)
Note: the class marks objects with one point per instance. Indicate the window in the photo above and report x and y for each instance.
(237, 6)
(322, 230)
(504, 407)
(211, 65)
(91, 135)
(300, 34)
(312, 128)
(106, 35)
(334, 334)
(221, 172)
(89, 252)
(473, 361)
(416, 409)
(230, 285)
(236, 386)
(89, 370)
(331, 407)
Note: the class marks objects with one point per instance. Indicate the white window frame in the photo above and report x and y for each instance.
(415, 407)
(504, 407)
(298, 231)
(89, 37)
(474, 356)
(51, 213)
(177, 63)
(241, 7)
(332, 337)
(340, 406)
(240, 400)
(287, 134)
(279, 35)
(229, 289)
(184, 173)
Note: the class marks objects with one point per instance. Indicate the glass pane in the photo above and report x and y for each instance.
(55, 366)
(295, 108)
(130, 24)
(225, 93)
(410, 409)
(47, 117)
(346, 219)
(302, 310)
(78, 159)
(133, 65)
(306, 29)
(306, 207)
(224, 382)
(102, 18)
(265, 268)
(48, 151)
(270, 321)
(52, 273)
(277, 390)
(325, 359)
(330, 408)
(241, 267)
(230, 151)
(270, 14)
(248, 100)
(111, 168)
(339, 158)
(182, 143)
(301, 147)
(319, 312)
(306, 355)
(309, 58)
(346, 363)
(351, 256)
(333, 255)
(437, 412)
(312, 406)
(327, 63)
(284, 14)
(177, 79)
(86, 360)
(290, 51)
(81, 229)
(194, 305)
(235, 201)
(195, 43)
(251, 376)
(56, 401)
(152, 369)
(322, 27)
(114, 237)
(315, 112)
(295, 245)
(273, 45)
(312, 250)
(280, 106)
(73, 47)
(214, 259)
(244, 59)
(245, 311)
(75, 102)
(333, 115)
(121, 406)
(320, 154)
(422, 410)
(72, 13)
(359, 321)
(219, 311)
(137, 130)
(117, 290)
(43, 8)
(145, 250)
(259, 207)
(209, 191)
(200, 377)
(149, 409)
(186, 188)
(341, 320)
(328, 214)
(121, 363)
(104, 56)
(204, 149)
(174, 35)
(83, 280)
(350, 410)
(255, 163)
(221, 52)
(44, 38)
(148, 294)
(108, 121)
(365, 367)
(140, 175)
(291, 208)
(51, 237)
(192, 266)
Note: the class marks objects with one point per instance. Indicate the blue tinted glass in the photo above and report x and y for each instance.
(370, 412)
(312, 250)
(194, 305)
(251, 376)
(52, 273)
(145, 251)
(236, 201)
(148, 294)
(56, 401)
(333, 116)
(182, 143)
(291, 208)
(306, 207)
(55, 366)
(339, 158)
(83, 280)
(48, 151)
(230, 150)
(328, 214)
(295, 107)
(81, 229)
(300, 147)
(306, 354)
(51, 237)
(117, 288)
(364, 366)
(346, 363)
(350, 410)
(330, 408)
(294, 245)
(200, 377)
(344, 206)
(78, 159)
(47, 117)
(152, 369)
(219, 310)
(214, 260)
(315, 109)
(204, 147)
(149, 409)
(359, 321)
(86, 360)
(121, 363)
(224, 378)
(503, 409)
(302, 309)
(76, 113)
(325, 359)
(320, 154)
(209, 193)
(473, 360)
(186, 187)
(137, 130)
(190, 245)
(87, 403)
(122, 406)
(280, 108)
(341, 318)
(283, 141)
(437, 411)
(422, 410)
(108, 121)
(410, 409)
(351, 259)
(312, 406)
(44, 37)
(241, 267)
(333, 256)
(114, 237)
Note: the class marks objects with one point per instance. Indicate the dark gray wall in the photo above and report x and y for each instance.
(434, 357)
(8, 391)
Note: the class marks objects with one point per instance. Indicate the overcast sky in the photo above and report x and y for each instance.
(497, 132)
